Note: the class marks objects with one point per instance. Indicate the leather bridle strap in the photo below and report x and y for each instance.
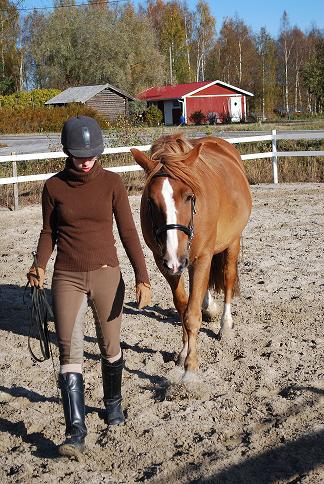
(183, 228)
(188, 230)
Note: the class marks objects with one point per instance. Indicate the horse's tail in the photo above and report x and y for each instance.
(217, 274)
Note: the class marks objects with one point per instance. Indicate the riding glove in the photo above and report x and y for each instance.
(143, 295)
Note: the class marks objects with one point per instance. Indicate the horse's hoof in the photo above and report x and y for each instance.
(210, 315)
(180, 361)
(215, 328)
(207, 317)
(225, 332)
(189, 377)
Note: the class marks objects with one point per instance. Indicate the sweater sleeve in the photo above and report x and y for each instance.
(127, 231)
(48, 235)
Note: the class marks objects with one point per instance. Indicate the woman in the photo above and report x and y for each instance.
(78, 205)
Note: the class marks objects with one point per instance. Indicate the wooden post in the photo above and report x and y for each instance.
(274, 157)
(15, 185)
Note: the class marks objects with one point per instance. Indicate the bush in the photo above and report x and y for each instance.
(153, 116)
(43, 119)
(197, 117)
(212, 117)
(25, 99)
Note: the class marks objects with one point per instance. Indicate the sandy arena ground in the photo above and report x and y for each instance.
(256, 414)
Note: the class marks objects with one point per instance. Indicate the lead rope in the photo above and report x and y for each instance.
(40, 313)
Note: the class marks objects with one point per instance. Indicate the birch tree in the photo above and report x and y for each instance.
(235, 53)
(285, 43)
(298, 54)
(172, 23)
(203, 37)
(313, 73)
(266, 73)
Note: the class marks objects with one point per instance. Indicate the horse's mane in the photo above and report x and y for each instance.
(169, 150)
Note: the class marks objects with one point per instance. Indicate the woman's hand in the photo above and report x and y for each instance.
(143, 295)
(33, 279)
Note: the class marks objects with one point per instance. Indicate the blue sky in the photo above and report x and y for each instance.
(255, 13)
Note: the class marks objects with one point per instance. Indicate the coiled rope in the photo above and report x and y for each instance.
(40, 314)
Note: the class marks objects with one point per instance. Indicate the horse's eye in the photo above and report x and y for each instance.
(188, 198)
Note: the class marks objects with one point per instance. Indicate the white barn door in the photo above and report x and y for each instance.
(236, 109)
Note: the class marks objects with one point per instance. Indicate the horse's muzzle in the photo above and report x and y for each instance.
(176, 269)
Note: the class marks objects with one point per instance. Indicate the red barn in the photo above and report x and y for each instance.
(215, 99)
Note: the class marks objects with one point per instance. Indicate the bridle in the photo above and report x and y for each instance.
(187, 229)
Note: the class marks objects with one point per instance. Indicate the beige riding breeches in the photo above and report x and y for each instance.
(103, 290)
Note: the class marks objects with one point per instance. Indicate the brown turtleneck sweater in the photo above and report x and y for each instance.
(78, 211)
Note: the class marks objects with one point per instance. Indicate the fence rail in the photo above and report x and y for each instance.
(15, 179)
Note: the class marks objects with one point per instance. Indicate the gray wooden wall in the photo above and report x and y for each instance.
(109, 103)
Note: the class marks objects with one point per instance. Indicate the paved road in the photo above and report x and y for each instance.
(43, 143)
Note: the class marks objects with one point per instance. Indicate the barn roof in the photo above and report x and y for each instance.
(82, 94)
(179, 91)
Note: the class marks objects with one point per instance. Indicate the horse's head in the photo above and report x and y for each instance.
(168, 207)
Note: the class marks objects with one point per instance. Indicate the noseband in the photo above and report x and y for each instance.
(188, 230)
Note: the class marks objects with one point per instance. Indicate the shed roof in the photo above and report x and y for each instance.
(82, 94)
(179, 91)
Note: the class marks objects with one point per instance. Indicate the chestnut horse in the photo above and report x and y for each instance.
(195, 204)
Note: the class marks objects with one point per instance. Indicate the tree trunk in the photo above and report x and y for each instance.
(240, 63)
(263, 89)
(296, 90)
(286, 79)
(171, 62)
(187, 48)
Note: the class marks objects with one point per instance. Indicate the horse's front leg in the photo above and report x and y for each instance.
(198, 282)
(180, 300)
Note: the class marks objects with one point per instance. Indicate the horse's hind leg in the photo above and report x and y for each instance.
(209, 307)
(231, 284)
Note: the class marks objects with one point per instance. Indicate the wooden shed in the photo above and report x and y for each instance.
(217, 100)
(108, 100)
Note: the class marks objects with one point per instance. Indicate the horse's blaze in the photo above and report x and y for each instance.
(171, 253)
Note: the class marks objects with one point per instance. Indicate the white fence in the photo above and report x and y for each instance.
(15, 179)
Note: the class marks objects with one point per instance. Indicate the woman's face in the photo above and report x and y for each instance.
(84, 164)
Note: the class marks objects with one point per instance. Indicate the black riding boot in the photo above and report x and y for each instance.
(111, 380)
(72, 391)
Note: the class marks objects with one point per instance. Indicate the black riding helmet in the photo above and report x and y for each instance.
(81, 137)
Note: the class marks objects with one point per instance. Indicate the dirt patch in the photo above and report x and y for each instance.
(254, 416)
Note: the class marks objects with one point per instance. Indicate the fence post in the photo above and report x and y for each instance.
(274, 156)
(15, 185)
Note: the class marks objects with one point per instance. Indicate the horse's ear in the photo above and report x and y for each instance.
(193, 155)
(144, 161)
